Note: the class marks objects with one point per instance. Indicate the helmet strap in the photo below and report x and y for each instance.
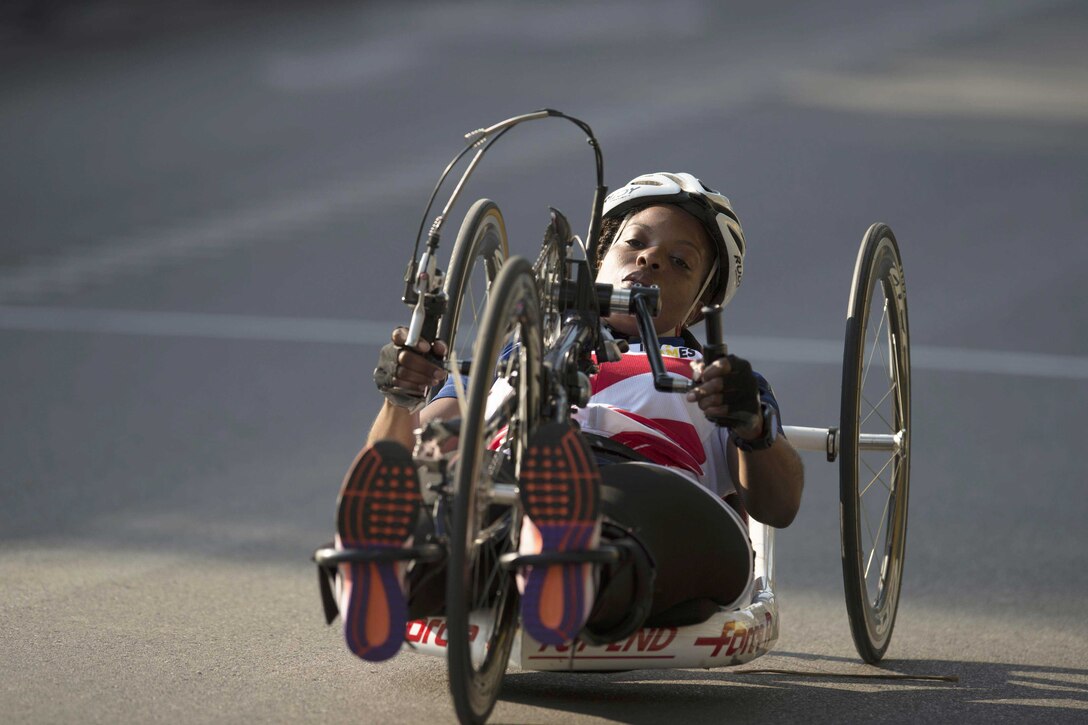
(699, 297)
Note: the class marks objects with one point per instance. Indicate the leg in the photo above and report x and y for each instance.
(560, 491)
(700, 548)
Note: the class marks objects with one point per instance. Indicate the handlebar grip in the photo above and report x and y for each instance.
(429, 329)
(715, 348)
(424, 324)
(434, 307)
(429, 332)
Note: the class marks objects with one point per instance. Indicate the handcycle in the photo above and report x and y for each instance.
(536, 336)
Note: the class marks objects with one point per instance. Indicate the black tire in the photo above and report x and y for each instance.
(873, 547)
(479, 592)
(478, 254)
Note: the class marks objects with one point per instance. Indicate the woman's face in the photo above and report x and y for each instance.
(662, 245)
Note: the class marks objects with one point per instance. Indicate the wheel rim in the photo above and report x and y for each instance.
(875, 485)
(880, 473)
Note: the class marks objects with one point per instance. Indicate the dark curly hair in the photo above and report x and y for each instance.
(609, 227)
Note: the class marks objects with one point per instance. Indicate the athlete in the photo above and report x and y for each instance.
(652, 473)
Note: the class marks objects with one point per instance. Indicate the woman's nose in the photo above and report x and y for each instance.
(650, 258)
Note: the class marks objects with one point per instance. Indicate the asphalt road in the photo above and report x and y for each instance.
(205, 216)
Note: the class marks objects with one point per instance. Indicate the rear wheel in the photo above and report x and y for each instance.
(550, 270)
(874, 468)
(503, 404)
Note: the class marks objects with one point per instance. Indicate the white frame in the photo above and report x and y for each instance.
(730, 637)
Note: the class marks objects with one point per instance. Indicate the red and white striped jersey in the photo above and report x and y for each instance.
(664, 427)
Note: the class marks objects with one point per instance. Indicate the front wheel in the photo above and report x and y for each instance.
(874, 472)
(501, 413)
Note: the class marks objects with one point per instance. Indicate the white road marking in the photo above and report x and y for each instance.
(371, 332)
(361, 64)
(945, 87)
(189, 324)
(407, 41)
(922, 357)
(275, 219)
(1077, 678)
(1059, 703)
(149, 250)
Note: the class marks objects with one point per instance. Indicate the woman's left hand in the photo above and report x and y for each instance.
(728, 394)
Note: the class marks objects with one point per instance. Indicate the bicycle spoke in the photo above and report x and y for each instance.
(868, 564)
(883, 522)
(874, 407)
(868, 530)
(876, 340)
(869, 362)
(472, 303)
(876, 476)
(482, 596)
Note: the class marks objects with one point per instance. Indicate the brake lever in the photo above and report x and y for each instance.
(429, 307)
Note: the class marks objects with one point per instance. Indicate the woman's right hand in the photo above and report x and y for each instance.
(405, 374)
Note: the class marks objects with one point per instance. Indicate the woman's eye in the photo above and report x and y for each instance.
(636, 243)
(679, 262)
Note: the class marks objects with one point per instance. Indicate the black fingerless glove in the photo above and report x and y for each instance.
(740, 391)
(385, 377)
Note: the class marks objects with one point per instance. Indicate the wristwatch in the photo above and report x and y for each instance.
(770, 431)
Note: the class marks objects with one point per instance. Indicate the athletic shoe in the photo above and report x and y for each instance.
(377, 509)
(560, 491)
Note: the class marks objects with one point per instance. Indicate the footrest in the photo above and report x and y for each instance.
(329, 557)
(601, 555)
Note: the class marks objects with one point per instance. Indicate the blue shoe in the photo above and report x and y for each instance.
(560, 492)
(377, 509)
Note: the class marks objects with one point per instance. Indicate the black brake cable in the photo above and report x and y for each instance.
(410, 273)
(476, 138)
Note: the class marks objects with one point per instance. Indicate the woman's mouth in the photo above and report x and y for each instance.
(640, 278)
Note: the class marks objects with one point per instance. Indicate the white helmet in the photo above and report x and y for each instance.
(705, 204)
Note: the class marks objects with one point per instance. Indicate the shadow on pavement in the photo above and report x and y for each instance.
(834, 689)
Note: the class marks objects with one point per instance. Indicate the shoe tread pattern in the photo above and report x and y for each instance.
(560, 491)
(377, 509)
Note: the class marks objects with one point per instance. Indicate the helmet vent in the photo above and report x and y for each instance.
(645, 182)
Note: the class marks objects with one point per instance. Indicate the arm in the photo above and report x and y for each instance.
(394, 423)
(769, 481)
(409, 371)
